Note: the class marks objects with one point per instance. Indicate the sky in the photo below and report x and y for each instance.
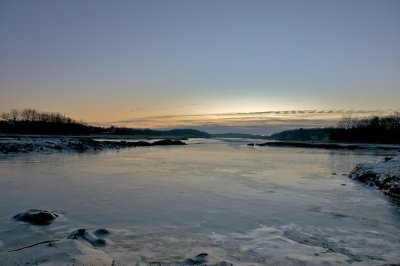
(221, 66)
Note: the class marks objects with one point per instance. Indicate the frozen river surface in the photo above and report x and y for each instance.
(239, 204)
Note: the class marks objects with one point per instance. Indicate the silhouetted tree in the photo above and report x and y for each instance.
(375, 129)
(30, 121)
(29, 114)
(14, 113)
(5, 116)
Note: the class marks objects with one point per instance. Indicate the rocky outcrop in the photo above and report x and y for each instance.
(27, 145)
(93, 239)
(199, 259)
(166, 142)
(37, 217)
(384, 174)
(202, 259)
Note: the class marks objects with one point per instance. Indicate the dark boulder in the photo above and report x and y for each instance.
(101, 232)
(222, 263)
(37, 217)
(199, 259)
(138, 144)
(90, 238)
(10, 148)
(56, 147)
(166, 142)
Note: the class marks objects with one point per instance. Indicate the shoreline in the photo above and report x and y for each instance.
(329, 145)
(90, 136)
(25, 144)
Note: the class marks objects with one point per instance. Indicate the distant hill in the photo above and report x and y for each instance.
(309, 134)
(33, 122)
(174, 133)
(185, 133)
(238, 135)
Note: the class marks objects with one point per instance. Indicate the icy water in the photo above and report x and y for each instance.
(245, 205)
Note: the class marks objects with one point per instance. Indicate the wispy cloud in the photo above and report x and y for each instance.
(164, 108)
(178, 106)
(263, 122)
(137, 110)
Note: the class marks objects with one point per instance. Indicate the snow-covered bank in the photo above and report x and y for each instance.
(51, 144)
(384, 174)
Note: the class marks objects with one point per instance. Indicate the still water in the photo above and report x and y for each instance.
(245, 205)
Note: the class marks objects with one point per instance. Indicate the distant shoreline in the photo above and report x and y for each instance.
(328, 145)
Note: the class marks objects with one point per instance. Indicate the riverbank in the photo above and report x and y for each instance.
(327, 145)
(25, 144)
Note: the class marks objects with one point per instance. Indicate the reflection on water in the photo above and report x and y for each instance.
(240, 204)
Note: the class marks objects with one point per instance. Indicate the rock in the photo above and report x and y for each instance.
(90, 238)
(57, 147)
(168, 142)
(222, 263)
(189, 262)
(384, 174)
(251, 144)
(138, 144)
(101, 232)
(10, 148)
(199, 259)
(37, 217)
(386, 159)
(78, 147)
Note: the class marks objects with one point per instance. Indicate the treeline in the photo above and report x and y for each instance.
(376, 129)
(32, 115)
(30, 121)
(308, 134)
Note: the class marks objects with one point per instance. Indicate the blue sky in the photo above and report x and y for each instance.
(111, 62)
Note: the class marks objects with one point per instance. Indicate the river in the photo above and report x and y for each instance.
(239, 204)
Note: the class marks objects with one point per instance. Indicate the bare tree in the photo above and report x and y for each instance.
(347, 121)
(44, 117)
(15, 115)
(5, 116)
(29, 114)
